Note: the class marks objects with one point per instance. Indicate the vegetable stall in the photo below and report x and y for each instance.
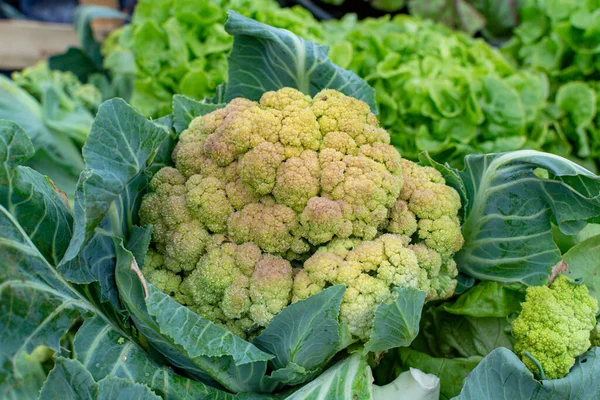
(230, 199)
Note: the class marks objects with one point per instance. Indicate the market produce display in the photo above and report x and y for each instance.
(408, 214)
(272, 243)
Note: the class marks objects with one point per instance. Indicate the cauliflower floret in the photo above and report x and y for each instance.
(270, 288)
(554, 326)
(270, 227)
(443, 235)
(237, 284)
(371, 270)
(323, 220)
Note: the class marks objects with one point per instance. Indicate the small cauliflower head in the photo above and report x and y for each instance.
(286, 173)
(555, 326)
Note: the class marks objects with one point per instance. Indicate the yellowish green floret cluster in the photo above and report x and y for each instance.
(270, 202)
(555, 326)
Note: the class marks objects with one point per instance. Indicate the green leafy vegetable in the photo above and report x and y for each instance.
(494, 19)
(180, 47)
(286, 61)
(509, 210)
(442, 91)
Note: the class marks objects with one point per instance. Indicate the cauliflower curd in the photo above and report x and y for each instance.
(270, 202)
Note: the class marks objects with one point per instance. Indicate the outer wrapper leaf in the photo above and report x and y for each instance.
(509, 211)
(501, 375)
(70, 380)
(104, 352)
(186, 109)
(109, 192)
(304, 336)
(397, 324)
(37, 306)
(201, 348)
(264, 58)
(583, 261)
(348, 379)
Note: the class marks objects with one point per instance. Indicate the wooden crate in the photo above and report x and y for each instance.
(23, 43)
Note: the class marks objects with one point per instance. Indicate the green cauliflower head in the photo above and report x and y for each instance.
(554, 326)
(270, 202)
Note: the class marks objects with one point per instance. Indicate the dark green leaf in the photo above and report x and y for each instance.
(451, 371)
(116, 388)
(42, 212)
(109, 191)
(37, 306)
(509, 211)
(487, 299)
(26, 379)
(501, 375)
(69, 380)
(186, 109)
(104, 352)
(305, 335)
(139, 242)
(74, 60)
(397, 324)
(264, 58)
(83, 18)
